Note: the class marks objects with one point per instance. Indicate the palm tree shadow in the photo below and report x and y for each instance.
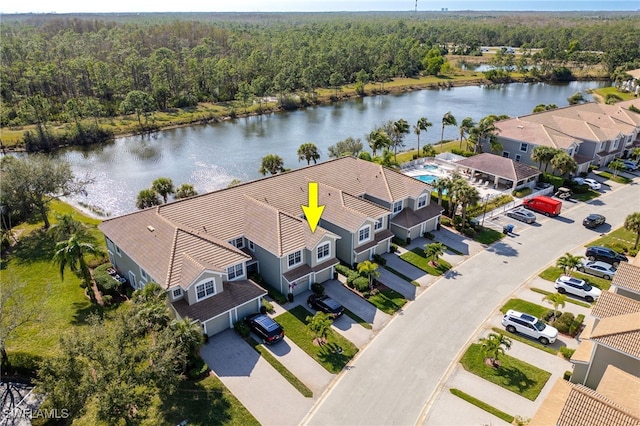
(515, 377)
(34, 247)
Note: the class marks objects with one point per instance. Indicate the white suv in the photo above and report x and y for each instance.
(529, 325)
(578, 287)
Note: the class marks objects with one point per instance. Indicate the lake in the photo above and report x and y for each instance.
(211, 156)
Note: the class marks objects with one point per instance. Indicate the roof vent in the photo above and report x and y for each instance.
(520, 127)
(151, 228)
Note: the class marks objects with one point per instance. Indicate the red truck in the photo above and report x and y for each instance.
(542, 204)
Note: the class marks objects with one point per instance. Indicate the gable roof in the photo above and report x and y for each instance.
(621, 333)
(627, 276)
(499, 166)
(611, 304)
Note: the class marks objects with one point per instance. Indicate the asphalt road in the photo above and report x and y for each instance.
(393, 381)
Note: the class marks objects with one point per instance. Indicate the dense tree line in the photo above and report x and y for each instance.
(102, 66)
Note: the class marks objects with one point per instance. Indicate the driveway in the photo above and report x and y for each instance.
(356, 304)
(261, 389)
(397, 376)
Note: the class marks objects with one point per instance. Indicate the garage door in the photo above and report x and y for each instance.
(248, 308)
(217, 324)
(323, 276)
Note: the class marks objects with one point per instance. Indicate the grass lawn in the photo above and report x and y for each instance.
(526, 340)
(387, 300)
(569, 300)
(483, 405)
(589, 195)
(406, 156)
(512, 374)
(526, 307)
(608, 175)
(620, 240)
(604, 91)
(552, 273)
(206, 402)
(488, 236)
(417, 258)
(295, 325)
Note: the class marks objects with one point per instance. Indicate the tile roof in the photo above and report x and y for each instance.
(621, 333)
(610, 304)
(409, 218)
(176, 241)
(621, 387)
(235, 293)
(628, 277)
(583, 353)
(500, 166)
(585, 406)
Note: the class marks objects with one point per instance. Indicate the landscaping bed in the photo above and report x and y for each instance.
(482, 405)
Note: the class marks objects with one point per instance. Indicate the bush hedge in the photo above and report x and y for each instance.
(567, 352)
(379, 260)
(563, 324)
(576, 325)
(361, 284)
(242, 329)
(105, 282)
(521, 192)
(317, 288)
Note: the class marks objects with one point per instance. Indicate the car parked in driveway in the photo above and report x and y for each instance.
(599, 269)
(522, 215)
(529, 325)
(593, 221)
(266, 328)
(565, 284)
(606, 255)
(592, 183)
(325, 304)
(630, 165)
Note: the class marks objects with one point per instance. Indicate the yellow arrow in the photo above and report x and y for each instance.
(313, 211)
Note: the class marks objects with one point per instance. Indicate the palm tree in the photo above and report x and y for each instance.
(72, 253)
(185, 190)
(543, 155)
(147, 198)
(616, 166)
(568, 262)
(442, 185)
(65, 226)
(635, 153)
(632, 223)
(465, 127)
(556, 300)
(163, 187)
(564, 163)
(188, 334)
(370, 270)
(422, 125)
(486, 128)
(271, 163)
(396, 131)
(467, 196)
(308, 151)
(320, 325)
(378, 139)
(433, 251)
(447, 120)
(493, 346)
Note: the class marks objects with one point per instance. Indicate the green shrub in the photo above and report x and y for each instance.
(105, 282)
(268, 306)
(563, 324)
(567, 375)
(566, 352)
(462, 152)
(521, 192)
(379, 260)
(549, 314)
(393, 248)
(575, 326)
(399, 241)
(344, 270)
(197, 369)
(556, 181)
(242, 329)
(317, 288)
(361, 284)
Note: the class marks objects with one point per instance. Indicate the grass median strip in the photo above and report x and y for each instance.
(525, 340)
(524, 306)
(512, 374)
(288, 375)
(483, 405)
(401, 275)
(417, 258)
(569, 300)
(333, 355)
(387, 300)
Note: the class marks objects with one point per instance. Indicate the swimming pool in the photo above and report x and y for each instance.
(430, 179)
(430, 167)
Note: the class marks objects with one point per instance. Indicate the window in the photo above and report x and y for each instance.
(615, 144)
(397, 206)
(324, 251)
(364, 233)
(505, 154)
(524, 147)
(118, 250)
(205, 290)
(177, 293)
(422, 201)
(295, 258)
(235, 271)
(238, 242)
(518, 157)
(252, 247)
(378, 224)
(143, 274)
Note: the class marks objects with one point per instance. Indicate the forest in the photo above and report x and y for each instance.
(73, 68)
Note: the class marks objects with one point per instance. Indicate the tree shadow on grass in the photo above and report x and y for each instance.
(34, 247)
(83, 312)
(515, 378)
(197, 404)
(331, 353)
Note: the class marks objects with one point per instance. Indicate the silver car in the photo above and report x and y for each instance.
(522, 215)
(597, 268)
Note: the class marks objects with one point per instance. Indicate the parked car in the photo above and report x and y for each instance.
(522, 215)
(599, 269)
(577, 287)
(592, 183)
(325, 304)
(606, 255)
(543, 204)
(593, 220)
(630, 165)
(268, 330)
(529, 325)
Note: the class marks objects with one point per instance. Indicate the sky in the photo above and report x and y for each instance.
(88, 6)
